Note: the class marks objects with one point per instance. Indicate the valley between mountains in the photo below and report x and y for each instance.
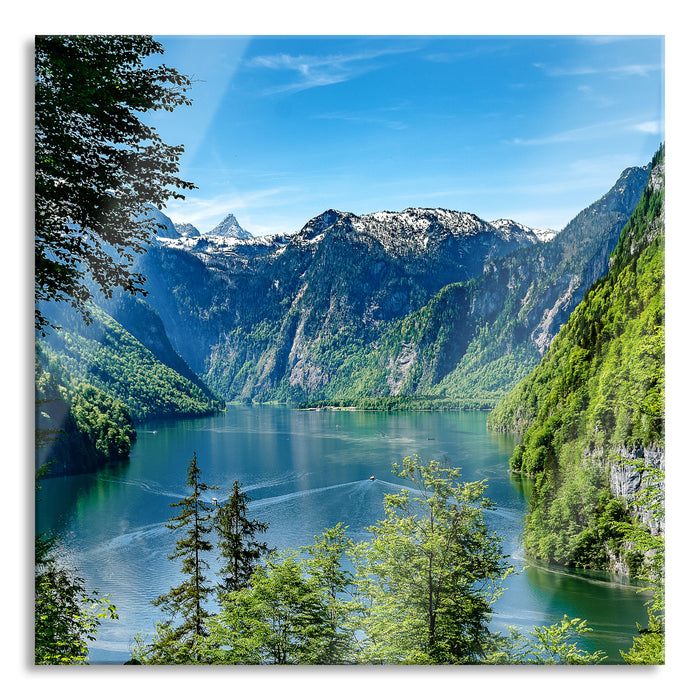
(421, 303)
(419, 309)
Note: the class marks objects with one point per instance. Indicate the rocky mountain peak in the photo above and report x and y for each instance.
(230, 228)
(510, 228)
(187, 230)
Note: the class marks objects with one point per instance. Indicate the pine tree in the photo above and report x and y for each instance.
(189, 598)
(238, 547)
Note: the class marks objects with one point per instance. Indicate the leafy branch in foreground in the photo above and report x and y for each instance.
(66, 617)
(97, 166)
(555, 644)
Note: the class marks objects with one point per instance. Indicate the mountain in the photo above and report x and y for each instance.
(229, 228)
(476, 339)
(151, 382)
(277, 317)
(78, 427)
(508, 225)
(420, 302)
(423, 302)
(166, 228)
(592, 412)
(187, 231)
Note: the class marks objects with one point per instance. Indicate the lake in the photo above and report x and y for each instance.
(305, 471)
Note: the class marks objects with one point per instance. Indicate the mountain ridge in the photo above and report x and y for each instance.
(591, 415)
(295, 316)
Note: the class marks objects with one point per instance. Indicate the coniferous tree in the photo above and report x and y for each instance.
(238, 546)
(188, 599)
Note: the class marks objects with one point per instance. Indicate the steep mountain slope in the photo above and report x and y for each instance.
(230, 228)
(150, 383)
(78, 428)
(279, 317)
(593, 410)
(419, 302)
(476, 339)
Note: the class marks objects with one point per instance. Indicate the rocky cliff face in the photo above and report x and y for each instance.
(631, 472)
(509, 314)
(253, 314)
(592, 412)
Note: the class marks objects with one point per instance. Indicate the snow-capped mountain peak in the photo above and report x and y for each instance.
(187, 230)
(230, 228)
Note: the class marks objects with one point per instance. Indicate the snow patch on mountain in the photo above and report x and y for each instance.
(420, 231)
(412, 232)
(187, 230)
(512, 229)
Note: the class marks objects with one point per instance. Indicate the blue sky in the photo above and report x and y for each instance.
(529, 128)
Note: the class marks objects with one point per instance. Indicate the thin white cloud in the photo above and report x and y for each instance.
(205, 213)
(651, 127)
(639, 69)
(317, 71)
(614, 38)
(559, 137)
(587, 132)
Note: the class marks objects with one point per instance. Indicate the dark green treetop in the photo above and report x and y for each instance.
(187, 600)
(238, 545)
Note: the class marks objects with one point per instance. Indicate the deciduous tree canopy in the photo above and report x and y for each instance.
(97, 165)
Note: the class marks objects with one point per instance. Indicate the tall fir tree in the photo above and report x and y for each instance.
(238, 546)
(188, 599)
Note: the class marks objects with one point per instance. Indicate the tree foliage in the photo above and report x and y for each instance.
(556, 644)
(66, 616)
(598, 393)
(290, 613)
(431, 572)
(240, 551)
(186, 603)
(420, 592)
(97, 164)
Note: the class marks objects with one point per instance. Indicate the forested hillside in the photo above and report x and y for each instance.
(108, 357)
(476, 339)
(593, 410)
(78, 427)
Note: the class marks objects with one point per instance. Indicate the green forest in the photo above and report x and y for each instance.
(79, 427)
(597, 402)
(420, 591)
